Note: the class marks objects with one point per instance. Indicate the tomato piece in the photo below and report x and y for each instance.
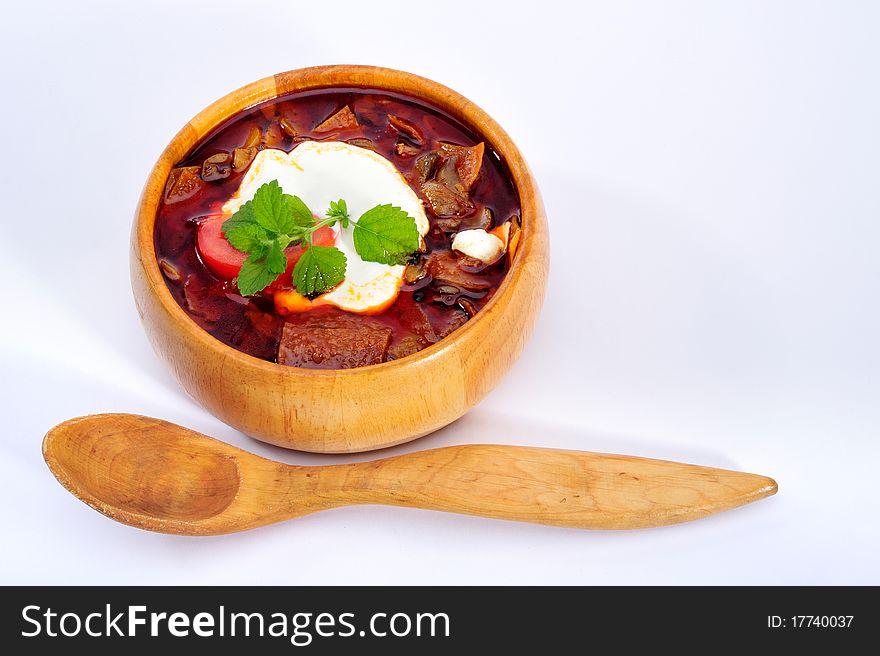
(225, 261)
(219, 256)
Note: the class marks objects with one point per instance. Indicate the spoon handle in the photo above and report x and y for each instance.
(576, 489)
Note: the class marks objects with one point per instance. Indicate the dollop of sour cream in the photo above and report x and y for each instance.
(320, 172)
(479, 244)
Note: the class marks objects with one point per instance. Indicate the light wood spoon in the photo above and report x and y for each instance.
(156, 475)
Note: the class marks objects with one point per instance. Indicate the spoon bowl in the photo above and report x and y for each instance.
(141, 470)
(156, 475)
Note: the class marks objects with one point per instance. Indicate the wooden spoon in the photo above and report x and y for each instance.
(156, 475)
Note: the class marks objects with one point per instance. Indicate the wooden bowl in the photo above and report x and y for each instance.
(355, 409)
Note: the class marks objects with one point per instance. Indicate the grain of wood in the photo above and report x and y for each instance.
(162, 477)
(354, 409)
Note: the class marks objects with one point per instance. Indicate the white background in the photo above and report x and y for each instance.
(712, 177)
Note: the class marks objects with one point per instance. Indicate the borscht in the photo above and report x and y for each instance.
(336, 228)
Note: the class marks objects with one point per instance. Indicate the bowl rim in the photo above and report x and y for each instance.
(325, 77)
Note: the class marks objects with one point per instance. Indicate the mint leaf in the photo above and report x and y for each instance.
(318, 270)
(264, 226)
(300, 213)
(278, 212)
(338, 212)
(254, 276)
(244, 216)
(246, 237)
(276, 260)
(268, 206)
(385, 234)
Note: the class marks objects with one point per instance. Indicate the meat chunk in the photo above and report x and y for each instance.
(331, 342)
(451, 321)
(413, 316)
(259, 336)
(344, 119)
(204, 299)
(444, 266)
(183, 182)
(407, 346)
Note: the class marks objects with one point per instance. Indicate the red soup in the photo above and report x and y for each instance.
(337, 228)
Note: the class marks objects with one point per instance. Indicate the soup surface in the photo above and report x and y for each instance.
(370, 149)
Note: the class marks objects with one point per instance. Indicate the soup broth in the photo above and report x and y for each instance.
(442, 287)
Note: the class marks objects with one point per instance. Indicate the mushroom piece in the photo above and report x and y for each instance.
(471, 264)
(443, 266)
(273, 137)
(406, 128)
(242, 157)
(287, 127)
(344, 119)
(414, 272)
(425, 166)
(468, 161)
(217, 167)
(483, 219)
(403, 149)
(361, 142)
(444, 202)
(448, 176)
(183, 182)
(253, 138)
(445, 226)
(169, 270)
(447, 193)
(468, 306)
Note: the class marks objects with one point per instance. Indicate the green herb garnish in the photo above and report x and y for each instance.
(339, 210)
(386, 234)
(272, 221)
(320, 268)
